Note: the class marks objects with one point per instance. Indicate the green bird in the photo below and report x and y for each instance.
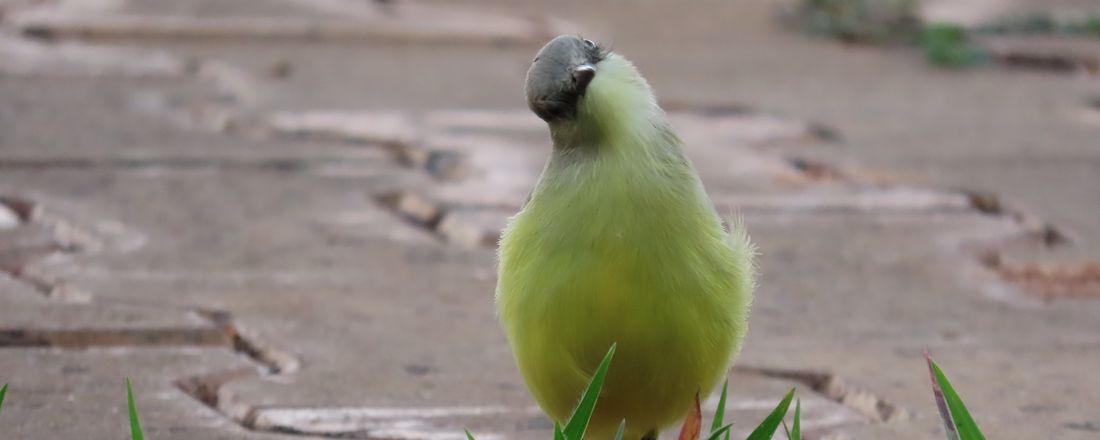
(618, 243)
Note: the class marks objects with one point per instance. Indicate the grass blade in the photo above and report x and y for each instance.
(771, 423)
(135, 424)
(3, 391)
(622, 427)
(694, 422)
(469, 436)
(796, 429)
(720, 413)
(964, 424)
(941, 402)
(723, 431)
(558, 435)
(578, 422)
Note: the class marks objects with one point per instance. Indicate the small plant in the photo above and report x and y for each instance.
(3, 391)
(771, 423)
(956, 418)
(135, 423)
(1044, 23)
(860, 21)
(944, 44)
(578, 422)
(949, 45)
(720, 414)
(796, 431)
(958, 423)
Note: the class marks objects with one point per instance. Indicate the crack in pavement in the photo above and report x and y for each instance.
(1050, 282)
(432, 143)
(866, 403)
(102, 337)
(286, 165)
(406, 21)
(39, 234)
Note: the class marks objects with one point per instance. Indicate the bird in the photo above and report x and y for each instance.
(618, 243)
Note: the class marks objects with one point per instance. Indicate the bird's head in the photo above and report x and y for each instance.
(576, 84)
(560, 75)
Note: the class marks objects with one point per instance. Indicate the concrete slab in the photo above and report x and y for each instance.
(82, 393)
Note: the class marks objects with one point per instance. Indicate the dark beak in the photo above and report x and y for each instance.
(582, 75)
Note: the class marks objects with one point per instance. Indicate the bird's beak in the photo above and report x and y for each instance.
(582, 75)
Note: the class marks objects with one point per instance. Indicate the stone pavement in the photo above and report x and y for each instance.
(278, 217)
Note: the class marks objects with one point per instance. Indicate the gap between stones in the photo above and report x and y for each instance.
(205, 388)
(377, 20)
(1047, 282)
(173, 163)
(221, 331)
(38, 234)
(835, 388)
(441, 221)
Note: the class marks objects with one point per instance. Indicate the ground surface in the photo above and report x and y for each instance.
(277, 216)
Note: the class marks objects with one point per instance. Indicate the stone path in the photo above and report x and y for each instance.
(278, 218)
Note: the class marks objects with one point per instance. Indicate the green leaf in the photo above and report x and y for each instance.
(960, 417)
(558, 435)
(796, 433)
(135, 424)
(941, 403)
(622, 427)
(720, 413)
(578, 422)
(771, 423)
(3, 391)
(725, 430)
(468, 435)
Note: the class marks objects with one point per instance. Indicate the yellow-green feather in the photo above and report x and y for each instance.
(619, 243)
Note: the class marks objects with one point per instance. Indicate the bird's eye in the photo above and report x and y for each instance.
(591, 44)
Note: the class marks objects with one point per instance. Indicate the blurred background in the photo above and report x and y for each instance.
(278, 217)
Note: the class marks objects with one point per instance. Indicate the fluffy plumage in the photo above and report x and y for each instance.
(618, 243)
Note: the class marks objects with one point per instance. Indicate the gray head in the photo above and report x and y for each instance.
(559, 76)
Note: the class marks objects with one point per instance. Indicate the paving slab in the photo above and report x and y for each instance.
(82, 394)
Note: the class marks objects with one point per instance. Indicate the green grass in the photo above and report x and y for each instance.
(1044, 23)
(945, 45)
(577, 424)
(619, 433)
(771, 423)
(956, 418)
(958, 422)
(796, 431)
(720, 412)
(859, 21)
(949, 45)
(135, 423)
